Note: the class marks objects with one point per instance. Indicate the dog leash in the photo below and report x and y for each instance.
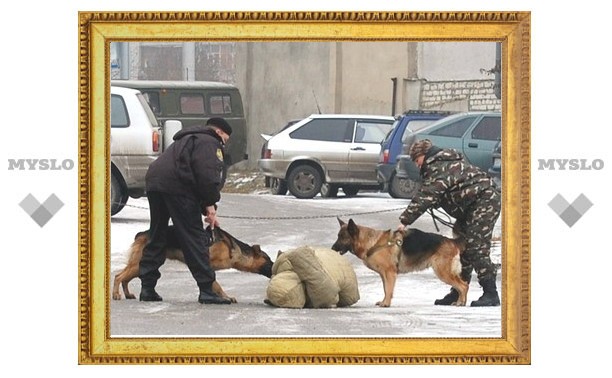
(435, 218)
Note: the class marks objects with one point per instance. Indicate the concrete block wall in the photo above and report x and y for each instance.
(479, 95)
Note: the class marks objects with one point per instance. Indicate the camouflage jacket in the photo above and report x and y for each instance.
(449, 182)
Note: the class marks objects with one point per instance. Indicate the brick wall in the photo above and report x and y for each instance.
(479, 94)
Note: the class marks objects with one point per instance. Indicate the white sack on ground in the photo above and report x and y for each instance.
(286, 290)
(315, 277)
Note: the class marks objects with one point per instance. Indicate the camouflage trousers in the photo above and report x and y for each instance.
(477, 229)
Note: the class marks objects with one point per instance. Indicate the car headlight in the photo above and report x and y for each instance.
(497, 162)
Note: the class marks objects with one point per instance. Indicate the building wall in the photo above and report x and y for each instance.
(282, 81)
(367, 70)
(458, 61)
(176, 61)
(473, 95)
(215, 62)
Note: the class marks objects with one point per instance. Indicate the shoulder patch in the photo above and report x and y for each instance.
(219, 154)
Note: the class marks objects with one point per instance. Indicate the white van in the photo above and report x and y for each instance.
(136, 141)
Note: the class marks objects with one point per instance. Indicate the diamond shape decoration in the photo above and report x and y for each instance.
(570, 213)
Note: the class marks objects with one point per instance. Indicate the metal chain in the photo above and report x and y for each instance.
(312, 216)
(290, 218)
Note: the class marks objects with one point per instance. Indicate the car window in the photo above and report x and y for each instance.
(192, 104)
(406, 135)
(147, 109)
(415, 125)
(220, 104)
(153, 100)
(418, 124)
(387, 139)
(371, 132)
(455, 129)
(119, 114)
(489, 128)
(329, 130)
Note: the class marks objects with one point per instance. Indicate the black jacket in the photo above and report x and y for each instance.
(191, 166)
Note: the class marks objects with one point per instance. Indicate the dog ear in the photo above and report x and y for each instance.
(256, 247)
(279, 253)
(340, 221)
(352, 228)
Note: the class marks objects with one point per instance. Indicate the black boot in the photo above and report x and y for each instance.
(148, 294)
(207, 296)
(490, 296)
(449, 299)
(453, 296)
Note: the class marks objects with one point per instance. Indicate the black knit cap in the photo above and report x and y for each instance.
(220, 123)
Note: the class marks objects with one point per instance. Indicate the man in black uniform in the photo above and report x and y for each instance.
(183, 183)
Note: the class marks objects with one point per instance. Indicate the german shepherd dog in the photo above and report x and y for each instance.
(225, 252)
(391, 252)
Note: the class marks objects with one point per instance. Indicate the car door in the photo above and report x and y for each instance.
(327, 140)
(481, 139)
(365, 148)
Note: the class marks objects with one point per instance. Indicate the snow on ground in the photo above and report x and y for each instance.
(280, 223)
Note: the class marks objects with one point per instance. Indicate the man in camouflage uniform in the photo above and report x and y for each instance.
(466, 193)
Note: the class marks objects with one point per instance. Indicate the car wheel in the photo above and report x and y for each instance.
(350, 191)
(403, 187)
(278, 186)
(119, 195)
(304, 181)
(329, 190)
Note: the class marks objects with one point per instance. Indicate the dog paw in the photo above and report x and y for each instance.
(234, 300)
(383, 304)
(117, 297)
(130, 296)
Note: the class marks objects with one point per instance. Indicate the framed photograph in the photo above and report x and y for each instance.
(261, 334)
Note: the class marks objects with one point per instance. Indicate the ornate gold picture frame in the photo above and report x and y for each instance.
(98, 29)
